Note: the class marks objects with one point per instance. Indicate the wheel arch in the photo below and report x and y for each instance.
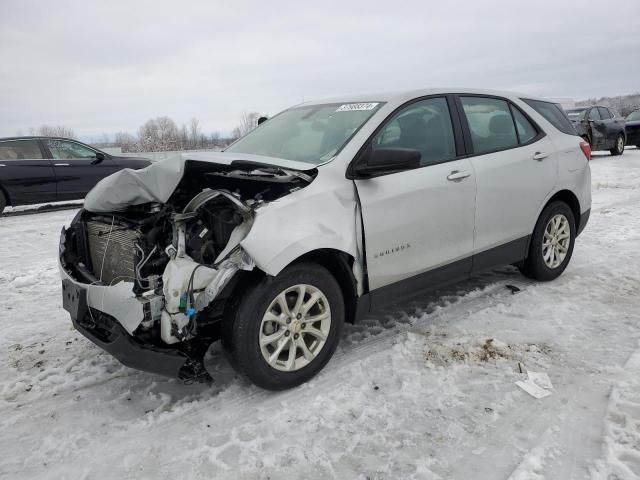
(568, 197)
(340, 265)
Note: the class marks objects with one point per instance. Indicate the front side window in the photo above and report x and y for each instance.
(604, 113)
(66, 150)
(594, 114)
(490, 124)
(20, 150)
(424, 126)
(310, 133)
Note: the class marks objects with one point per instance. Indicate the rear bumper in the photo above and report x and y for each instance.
(582, 222)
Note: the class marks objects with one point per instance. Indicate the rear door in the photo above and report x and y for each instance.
(515, 167)
(420, 219)
(78, 167)
(25, 172)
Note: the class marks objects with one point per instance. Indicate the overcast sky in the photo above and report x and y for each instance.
(108, 66)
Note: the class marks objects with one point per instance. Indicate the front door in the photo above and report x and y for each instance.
(420, 219)
(597, 130)
(78, 167)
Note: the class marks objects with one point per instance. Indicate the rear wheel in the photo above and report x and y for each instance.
(3, 202)
(285, 329)
(551, 243)
(618, 149)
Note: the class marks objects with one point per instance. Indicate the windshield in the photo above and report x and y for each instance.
(311, 134)
(577, 114)
(634, 115)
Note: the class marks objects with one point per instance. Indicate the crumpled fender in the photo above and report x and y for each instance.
(304, 221)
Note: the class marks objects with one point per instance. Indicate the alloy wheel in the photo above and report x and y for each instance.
(556, 240)
(295, 327)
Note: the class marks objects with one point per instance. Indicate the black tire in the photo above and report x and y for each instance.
(3, 202)
(618, 149)
(243, 319)
(534, 266)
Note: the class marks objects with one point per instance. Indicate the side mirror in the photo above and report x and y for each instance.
(99, 158)
(386, 160)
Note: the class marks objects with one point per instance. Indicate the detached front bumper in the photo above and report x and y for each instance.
(93, 310)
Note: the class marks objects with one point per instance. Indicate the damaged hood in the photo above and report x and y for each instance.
(158, 181)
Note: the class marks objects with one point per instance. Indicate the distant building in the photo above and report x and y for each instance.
(112, 150)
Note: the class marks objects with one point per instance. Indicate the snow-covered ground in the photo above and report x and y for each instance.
(424, 390)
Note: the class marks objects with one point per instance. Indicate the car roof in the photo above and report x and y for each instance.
(588, 106)
(36, 137)
(404, 96)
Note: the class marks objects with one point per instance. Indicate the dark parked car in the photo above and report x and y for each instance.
(45, 169)
(633, 128)
(602, 127)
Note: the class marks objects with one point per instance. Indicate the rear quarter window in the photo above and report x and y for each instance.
(554, 114)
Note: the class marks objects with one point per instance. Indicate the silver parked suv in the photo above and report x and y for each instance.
(321, 214)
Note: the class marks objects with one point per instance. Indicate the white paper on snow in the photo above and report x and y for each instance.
(533, 389)
(541, 379)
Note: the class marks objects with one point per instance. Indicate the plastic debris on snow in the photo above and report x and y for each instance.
(537, 384)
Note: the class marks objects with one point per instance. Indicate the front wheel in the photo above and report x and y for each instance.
(3, 202)
(551, 243)
(618, 149)
(284, 329)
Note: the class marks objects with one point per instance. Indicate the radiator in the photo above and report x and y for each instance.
(112, 252)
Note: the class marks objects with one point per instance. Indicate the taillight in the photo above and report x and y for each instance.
(586, 149)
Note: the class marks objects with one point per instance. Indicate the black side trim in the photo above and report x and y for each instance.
(584, 218)
(417, 284)
(506, 254)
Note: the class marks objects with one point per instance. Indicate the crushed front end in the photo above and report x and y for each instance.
(148, 283)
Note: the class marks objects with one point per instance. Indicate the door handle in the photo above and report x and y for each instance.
(456, 175)
(61, 164)
(2, 165)
(540, 156)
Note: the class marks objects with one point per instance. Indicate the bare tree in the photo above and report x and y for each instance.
(53, 131)
(126, 141)
(195, 133)
(184, 137)
(248, 121)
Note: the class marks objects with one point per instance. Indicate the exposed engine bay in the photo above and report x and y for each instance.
(177, 257)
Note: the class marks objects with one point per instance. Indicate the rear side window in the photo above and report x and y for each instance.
(554, 114)
(490, 124)
(526, 131)
(20, 150)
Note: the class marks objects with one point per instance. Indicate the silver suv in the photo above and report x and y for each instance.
(321, 214)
